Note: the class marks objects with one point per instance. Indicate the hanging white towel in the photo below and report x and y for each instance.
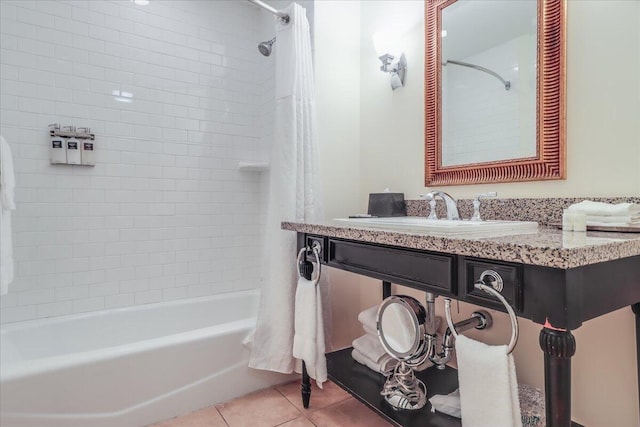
(7, 204)
(294, 195)
(488, 385)
(308, 339)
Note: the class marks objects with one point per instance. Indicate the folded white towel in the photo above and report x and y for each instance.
(308, 338)
(369, 318)
(531, 404)
(370, 346)
(613, 220)
(384, 366)
(370, 331)
(606, 209)
(7, 204)
(488, 385)
(447, 404)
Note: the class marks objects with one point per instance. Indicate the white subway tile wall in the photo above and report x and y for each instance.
(177, 94)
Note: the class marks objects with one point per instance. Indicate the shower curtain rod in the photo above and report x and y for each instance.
(283, 16)
(507, 84)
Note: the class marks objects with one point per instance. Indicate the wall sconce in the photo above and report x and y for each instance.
(396, 67)
(386, 45)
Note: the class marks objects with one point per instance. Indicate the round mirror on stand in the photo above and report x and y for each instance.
(400, 325)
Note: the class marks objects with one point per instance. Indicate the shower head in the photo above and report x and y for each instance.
(265, 47)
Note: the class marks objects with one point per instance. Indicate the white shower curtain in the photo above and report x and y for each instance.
(294, 193)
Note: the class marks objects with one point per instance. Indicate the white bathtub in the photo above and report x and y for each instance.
(128, 367)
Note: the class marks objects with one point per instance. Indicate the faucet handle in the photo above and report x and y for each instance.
(432, 205)
(476, 204)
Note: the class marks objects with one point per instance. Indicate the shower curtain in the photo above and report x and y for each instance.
(294, 194)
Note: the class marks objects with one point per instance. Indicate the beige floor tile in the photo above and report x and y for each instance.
(207, 417)
(267, 408)
(320, 398)
(350, 413)
(298, 422)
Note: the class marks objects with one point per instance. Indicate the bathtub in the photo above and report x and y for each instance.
(128, 367)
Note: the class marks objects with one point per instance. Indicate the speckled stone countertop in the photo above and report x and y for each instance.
(548, 247)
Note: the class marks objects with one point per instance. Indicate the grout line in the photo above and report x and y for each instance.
(222, 416)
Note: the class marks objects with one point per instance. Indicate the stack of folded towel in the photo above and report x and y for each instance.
(598, 213)
(367, 349)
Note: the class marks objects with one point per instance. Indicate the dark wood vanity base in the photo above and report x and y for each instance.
(559, 347)
(559, 299)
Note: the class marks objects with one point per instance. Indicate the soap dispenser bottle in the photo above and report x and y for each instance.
(86, 148)
(58, 146)
(73, 149)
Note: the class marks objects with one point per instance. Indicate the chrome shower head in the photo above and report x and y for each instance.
(265, 47)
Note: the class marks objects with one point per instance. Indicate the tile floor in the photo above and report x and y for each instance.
(281, 406)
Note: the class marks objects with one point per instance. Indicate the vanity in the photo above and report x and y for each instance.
(558, 280)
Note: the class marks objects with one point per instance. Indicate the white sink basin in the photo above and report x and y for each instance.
(444, 227)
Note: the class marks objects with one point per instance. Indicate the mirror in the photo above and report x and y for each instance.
(494, 104)
(400, 327)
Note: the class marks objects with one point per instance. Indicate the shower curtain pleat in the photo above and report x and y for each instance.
(294, 195)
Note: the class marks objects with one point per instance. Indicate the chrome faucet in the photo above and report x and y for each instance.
(450, 202)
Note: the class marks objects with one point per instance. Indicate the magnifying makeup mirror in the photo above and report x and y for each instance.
(401, 329)
(401, 321)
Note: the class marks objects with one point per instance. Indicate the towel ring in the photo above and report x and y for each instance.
(512, 315)
(317, 255)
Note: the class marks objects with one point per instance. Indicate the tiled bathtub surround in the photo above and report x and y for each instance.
(165, 213)
(543, 211)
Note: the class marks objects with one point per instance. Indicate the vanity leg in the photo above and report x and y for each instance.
(558, 346)
(636, 310)
(306, 386)
(386, 289)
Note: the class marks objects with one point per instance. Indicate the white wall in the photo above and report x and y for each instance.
(337, 72)
(165, 213)
(603, 150)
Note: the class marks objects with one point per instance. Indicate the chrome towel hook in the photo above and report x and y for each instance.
(496, 280)
(316, 251)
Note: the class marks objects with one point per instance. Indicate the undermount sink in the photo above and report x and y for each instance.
(445, 227)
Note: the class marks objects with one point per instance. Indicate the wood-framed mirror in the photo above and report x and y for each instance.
(544, 156)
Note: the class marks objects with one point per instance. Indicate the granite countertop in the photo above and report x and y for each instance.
(548, 247)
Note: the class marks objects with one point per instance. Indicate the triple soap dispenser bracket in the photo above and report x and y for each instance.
(71, 146)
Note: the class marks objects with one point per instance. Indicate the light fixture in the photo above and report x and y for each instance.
(385, 44)
(397, 69)
(140, 2)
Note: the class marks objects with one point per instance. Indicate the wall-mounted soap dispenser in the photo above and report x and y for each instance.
(70, 146)
(58, 146)
(86, 149)
(73, 148)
